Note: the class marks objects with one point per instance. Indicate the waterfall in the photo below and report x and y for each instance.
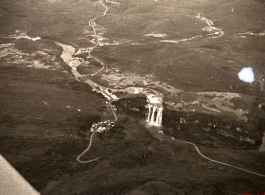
(149, 112)
(153, 115)
(156, 117)
(159, 117)
(155, 107)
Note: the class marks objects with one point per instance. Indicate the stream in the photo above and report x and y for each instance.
(155, 131)
(154, 98)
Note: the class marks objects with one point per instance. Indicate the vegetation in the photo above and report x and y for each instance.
(46, 114)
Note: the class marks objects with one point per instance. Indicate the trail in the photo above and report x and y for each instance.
(219, 162)
(86, 150)
(91, 140)
(92, 23)
(162, 137)
(213, 32)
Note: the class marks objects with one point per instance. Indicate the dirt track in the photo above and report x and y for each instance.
(45, 114)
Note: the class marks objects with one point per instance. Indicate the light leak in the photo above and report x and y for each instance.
(246, 75)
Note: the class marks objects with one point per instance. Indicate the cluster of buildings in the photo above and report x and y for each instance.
(102, 127)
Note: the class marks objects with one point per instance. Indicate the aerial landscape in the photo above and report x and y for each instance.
(133, 96)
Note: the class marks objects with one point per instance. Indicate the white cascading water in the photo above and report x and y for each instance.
(153, 115)
(155, 110)
(159, 117)
(149, 112)
(157, 114)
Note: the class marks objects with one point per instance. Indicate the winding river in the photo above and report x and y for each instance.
(67, 56)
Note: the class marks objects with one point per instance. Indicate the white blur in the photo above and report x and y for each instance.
(246, 75)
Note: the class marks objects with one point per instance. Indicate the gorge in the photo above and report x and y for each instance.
(134, 97)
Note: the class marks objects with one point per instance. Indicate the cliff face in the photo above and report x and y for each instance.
(134, 162)
(132, 106)
(200, 125)
(188, 124)
(175, 47)
(234, 116)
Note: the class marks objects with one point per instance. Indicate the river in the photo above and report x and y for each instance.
(156, 100)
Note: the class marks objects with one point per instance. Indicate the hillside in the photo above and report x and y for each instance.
(66, 65)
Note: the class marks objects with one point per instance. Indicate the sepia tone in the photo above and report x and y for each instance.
(132, 97)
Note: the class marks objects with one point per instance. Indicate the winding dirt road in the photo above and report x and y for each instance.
(219, 162)
(93, 24)
(86, 150)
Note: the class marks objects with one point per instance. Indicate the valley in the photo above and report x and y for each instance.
(94, 63)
